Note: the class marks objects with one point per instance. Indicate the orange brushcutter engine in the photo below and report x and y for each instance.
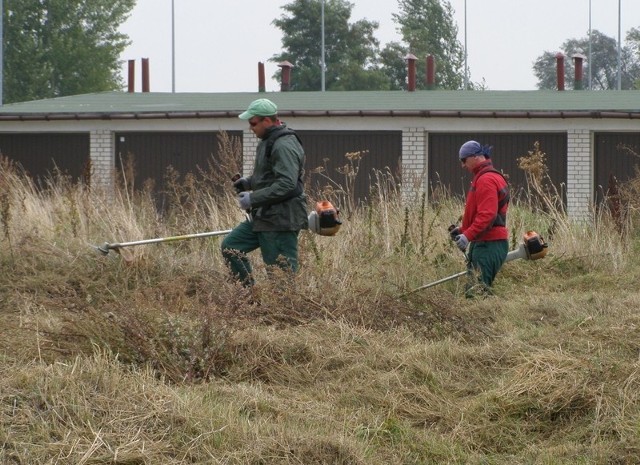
(325, 219)
(532, 247)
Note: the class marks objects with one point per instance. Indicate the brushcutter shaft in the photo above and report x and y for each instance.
(435, 283)
(119, 245)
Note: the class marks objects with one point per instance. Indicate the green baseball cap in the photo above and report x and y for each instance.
(260, 107)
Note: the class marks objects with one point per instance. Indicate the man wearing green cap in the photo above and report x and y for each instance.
(273, 196)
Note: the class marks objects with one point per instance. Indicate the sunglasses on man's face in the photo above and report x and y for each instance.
(255, 122)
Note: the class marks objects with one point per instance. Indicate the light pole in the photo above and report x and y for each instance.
(322, 46)
(173, 47)
(590, 62)
(619, 46)
(1, 51)
(466, 66)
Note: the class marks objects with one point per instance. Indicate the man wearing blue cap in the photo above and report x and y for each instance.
(273, 195)
(484, 223)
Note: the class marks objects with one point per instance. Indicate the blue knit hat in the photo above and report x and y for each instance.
(472, 148)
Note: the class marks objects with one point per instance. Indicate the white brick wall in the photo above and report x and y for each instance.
(102, 155)
(249, 146)
(579, 173)
(414, 162)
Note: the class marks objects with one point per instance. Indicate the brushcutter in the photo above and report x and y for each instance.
(117, 246)
(532, 247)
(324, 220)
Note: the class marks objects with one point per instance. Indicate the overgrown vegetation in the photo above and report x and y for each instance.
(161, 359)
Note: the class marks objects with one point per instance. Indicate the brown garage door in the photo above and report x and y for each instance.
(40, 154)
(378, 151)
(616, 154)
(154, 152)
(445, 171)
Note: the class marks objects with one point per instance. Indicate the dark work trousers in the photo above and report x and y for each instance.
(278, 248)
(485, 258)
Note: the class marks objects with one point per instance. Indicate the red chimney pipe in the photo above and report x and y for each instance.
(411, 72)
(560, 70)
(261, 80)
(145, 75)
(578, 61)
(285, 84)
(431, 72)
(131, 80)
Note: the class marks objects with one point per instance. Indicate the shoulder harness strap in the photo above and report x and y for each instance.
(503, 198)
(267, 153)
(275, 136)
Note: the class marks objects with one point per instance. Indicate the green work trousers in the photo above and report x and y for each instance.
(485, 258)
(278, 248)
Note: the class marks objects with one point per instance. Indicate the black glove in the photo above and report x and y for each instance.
(242, 185)
(454, 231)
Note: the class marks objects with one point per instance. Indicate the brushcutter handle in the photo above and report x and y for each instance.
(240, 184)
(454, 231)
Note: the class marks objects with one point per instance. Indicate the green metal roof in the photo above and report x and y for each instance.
(124, 105)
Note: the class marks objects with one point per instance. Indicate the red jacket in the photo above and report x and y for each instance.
(485, 211)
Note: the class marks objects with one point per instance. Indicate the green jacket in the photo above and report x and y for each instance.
(273, 183)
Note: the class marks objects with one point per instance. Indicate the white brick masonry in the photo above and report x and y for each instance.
(249, 145)
(414, 162)
(579, 173)
(102, 155)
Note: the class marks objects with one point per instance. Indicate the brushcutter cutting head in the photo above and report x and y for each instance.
(104, 248)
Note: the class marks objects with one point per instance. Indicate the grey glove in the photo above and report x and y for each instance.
(242, 185)
(462, 242)
(244, 200)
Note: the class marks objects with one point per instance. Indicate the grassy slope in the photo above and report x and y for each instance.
(162, 360)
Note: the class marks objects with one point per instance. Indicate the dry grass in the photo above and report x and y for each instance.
(163, 360)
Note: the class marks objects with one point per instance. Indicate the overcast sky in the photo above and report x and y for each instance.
(218, 44)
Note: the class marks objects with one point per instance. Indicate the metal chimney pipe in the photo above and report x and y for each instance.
(578, 60)
(560, 70)
(285, 84)
(131, 79)
(411, 72)
(261, 79)
(145, 75)
(431, 72)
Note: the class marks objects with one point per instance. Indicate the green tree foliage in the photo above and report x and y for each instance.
(604, 66)
(351, 50)
(54, 48)
(427, 28)
(633, 42)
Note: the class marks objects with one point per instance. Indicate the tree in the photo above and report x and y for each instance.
(54, 48)
(427, 28)
(604, 66)
(351, 50)
(633, 42)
